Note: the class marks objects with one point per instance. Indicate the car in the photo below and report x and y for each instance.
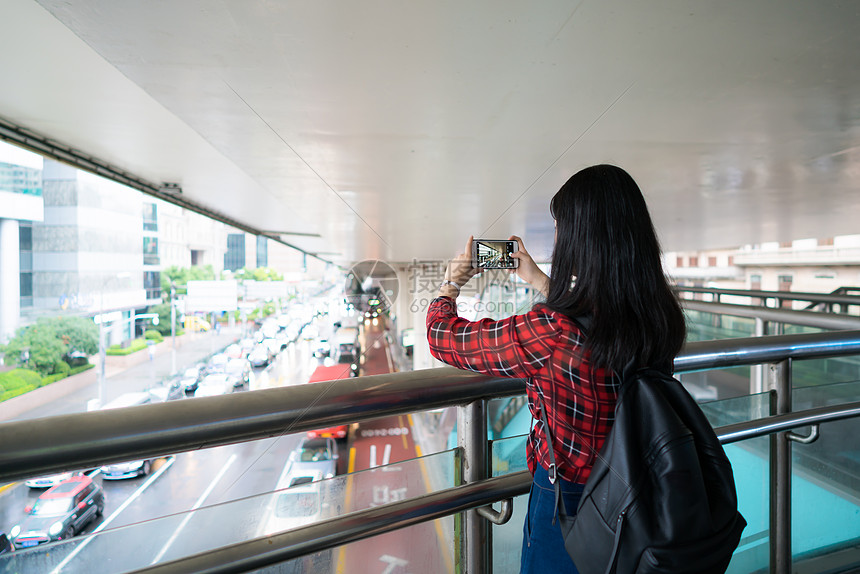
(299, 499)
(193, 324)
(234, 351)
(247, 345)
(259, 356)
(133, 468)
(217, 363)
(60, 512)
(315, 454)
(310, 332)
(5, 544)
(325, 373)
(322, 348)
(214, 385)
(240, 370)
(192, 377)
(49, 480)
(169, 390)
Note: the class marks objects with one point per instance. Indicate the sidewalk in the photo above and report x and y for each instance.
(131, 373)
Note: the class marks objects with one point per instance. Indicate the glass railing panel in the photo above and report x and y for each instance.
(825, 493)
(816, 372)
(737, 409)
(168, 538)
(826, 479)
(426, 548)
(509, 455)
(750, 463)
(703, 326)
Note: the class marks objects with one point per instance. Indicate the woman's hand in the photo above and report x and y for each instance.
(459, 271)
(528, 270)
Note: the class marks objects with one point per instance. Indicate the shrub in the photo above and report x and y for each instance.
(53, 378)
(135, 346)
(61, 368)
(17, 382)
(81, 369)
(6, 395)
(153, 335)
(29, 377)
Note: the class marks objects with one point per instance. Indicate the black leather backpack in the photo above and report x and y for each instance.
(661, 496)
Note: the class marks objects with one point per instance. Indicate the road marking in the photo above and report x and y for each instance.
(6, 487)
(347, 507)
(197, 505)
(386, 455)
(440, 536)
(391, 368)
(152, 478)
(403, 435)
(392, 562)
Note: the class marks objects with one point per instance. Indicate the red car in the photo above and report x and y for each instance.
(332, 373)
(60, 513)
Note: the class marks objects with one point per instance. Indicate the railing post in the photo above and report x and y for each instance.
(780, 474)
(757, 374)
(472, 440)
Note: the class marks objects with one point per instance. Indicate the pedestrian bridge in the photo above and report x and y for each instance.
(797, 489)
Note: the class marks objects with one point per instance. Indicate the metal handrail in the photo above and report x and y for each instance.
(806, 318)
(786, 295)
(85, 440)
(268, 550)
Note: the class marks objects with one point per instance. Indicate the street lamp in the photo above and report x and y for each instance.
(102, 350)
(173, 327)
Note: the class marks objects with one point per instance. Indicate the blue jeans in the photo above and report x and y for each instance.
(543, 545)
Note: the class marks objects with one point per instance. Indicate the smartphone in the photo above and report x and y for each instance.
(494, 254)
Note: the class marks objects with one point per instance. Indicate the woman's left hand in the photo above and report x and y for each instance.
(460, 268)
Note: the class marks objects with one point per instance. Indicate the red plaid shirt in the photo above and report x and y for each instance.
(547, 348)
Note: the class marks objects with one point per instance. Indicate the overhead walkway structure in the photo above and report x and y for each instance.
(797, 487)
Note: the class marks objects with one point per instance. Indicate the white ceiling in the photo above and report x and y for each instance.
(393, 130)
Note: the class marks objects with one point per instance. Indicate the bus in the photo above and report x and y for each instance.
(330, 373)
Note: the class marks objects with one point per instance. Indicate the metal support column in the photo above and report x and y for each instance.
(472, 439)
(780, 474)
(757, 374)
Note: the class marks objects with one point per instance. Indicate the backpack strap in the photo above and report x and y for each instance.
(553, 468)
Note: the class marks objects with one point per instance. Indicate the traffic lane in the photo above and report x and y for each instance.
(378, 446)
(244, 470)
(193, 467)
(253, 471)
(291, 366)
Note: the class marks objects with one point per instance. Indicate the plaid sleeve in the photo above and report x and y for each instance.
(518, 346)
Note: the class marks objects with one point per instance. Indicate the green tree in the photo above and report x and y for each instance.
(163, 326)
(180, 276)
(36, 347)
(47, 343)
(77, 333)
(259, 274)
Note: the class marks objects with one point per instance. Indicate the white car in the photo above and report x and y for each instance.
(317, 454)
(132, 468)
(297, 501)
(50, 480)
(214, 385)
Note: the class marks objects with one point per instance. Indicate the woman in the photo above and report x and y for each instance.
(608, 306)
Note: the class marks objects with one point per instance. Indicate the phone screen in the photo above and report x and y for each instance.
(494, 254)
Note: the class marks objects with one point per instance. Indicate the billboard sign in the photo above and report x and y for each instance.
(212, 296)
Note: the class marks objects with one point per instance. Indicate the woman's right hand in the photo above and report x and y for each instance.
(528, 270)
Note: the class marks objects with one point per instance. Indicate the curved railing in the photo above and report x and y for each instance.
(67, 442)
(277, 548)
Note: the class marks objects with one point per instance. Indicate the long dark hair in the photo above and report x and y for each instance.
(606, 241)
